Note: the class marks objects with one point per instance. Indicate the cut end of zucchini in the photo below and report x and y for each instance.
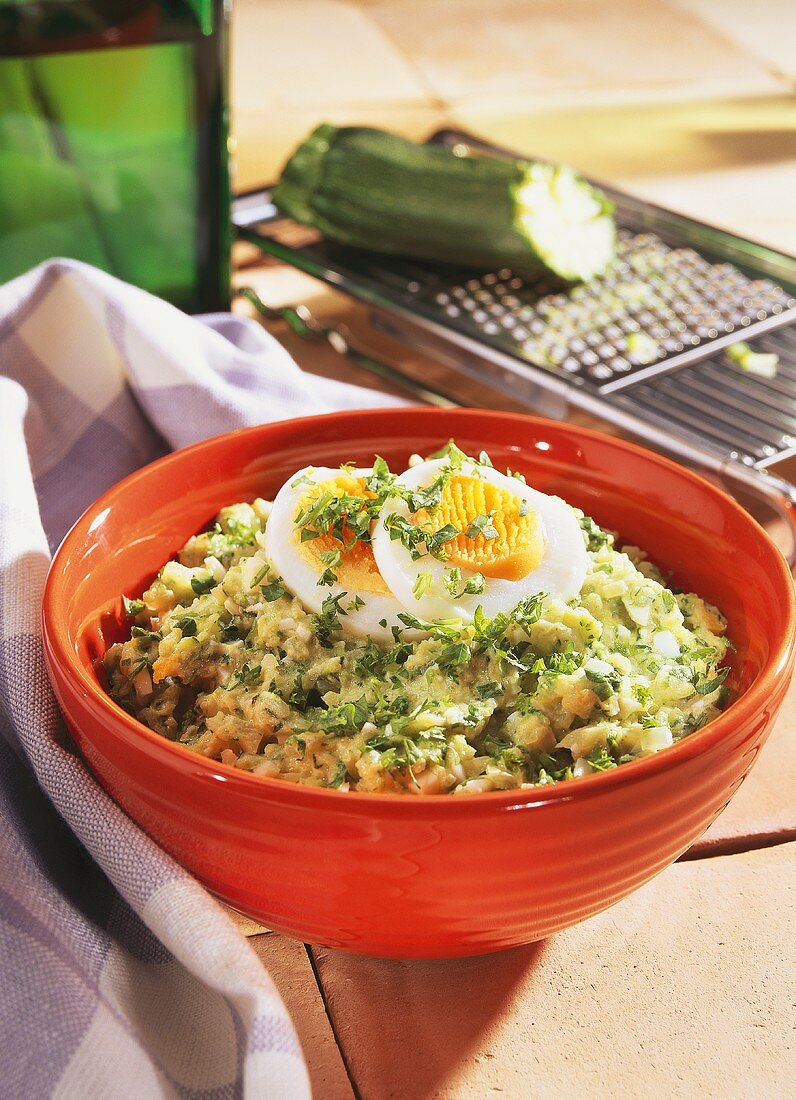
(567, 222)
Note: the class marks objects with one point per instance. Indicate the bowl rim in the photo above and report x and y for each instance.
(779, 662)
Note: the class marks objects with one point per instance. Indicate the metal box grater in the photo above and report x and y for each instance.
(642, 346)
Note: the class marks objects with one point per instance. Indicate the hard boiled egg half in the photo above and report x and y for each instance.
(513, 543)
(301, 564)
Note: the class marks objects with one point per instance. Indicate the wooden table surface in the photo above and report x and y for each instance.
(686, 988)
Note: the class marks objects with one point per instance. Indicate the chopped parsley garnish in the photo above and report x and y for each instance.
(707, 687)
(133, 607)
(421, 585)
(273, 591)
(242, 534)
(417, 540)
(347, 517)
(604, 685)
(380, 479)
(409, 534)
(642, 694)
(553, 767)
(261, 575)
(232, 629)
(473, 586)
(436, 540)
(201, 585)
(438, 629)
(596, 538)
(339, 776)
(328, 621)
(429, 497)
(331, 559)
(454, 455)
(482, 525)
(453, 656)
(490, 690)
(601, 759)
(344, 720)
(247, 675)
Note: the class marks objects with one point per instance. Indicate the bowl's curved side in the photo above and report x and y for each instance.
(428, 885)
(422, 877)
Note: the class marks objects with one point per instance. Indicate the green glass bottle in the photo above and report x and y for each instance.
(113, 142)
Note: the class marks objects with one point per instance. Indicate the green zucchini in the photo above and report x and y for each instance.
(375, 190)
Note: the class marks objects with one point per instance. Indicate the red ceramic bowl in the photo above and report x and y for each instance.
(421, 876)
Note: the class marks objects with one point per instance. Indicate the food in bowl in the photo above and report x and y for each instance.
(391, 874)
(447, 629)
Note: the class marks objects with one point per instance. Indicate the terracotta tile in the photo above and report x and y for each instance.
(764, 29)
(316, 53)
(470, 51)
(682, 990)
(755, 201)
(625, 141)
(288, 964)
(245, 925)
(765, 805)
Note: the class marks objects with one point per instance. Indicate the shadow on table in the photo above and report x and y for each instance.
(407, 1028)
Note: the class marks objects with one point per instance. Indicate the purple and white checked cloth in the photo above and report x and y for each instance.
(119, 975)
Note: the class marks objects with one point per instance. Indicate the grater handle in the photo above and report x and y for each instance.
(778, 493)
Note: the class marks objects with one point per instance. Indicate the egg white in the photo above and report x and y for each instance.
(300, 575)
(560, 574)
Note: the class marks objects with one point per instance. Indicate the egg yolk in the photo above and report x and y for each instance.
(520, 544)
(357, 571)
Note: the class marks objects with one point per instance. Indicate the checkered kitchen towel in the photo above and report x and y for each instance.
(119, 975)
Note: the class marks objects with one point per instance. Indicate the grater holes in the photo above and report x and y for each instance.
(673, 298)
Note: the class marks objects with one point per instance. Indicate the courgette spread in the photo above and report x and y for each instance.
(378, 191)
(226, 660)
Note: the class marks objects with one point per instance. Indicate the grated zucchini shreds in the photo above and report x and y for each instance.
(754, 362)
